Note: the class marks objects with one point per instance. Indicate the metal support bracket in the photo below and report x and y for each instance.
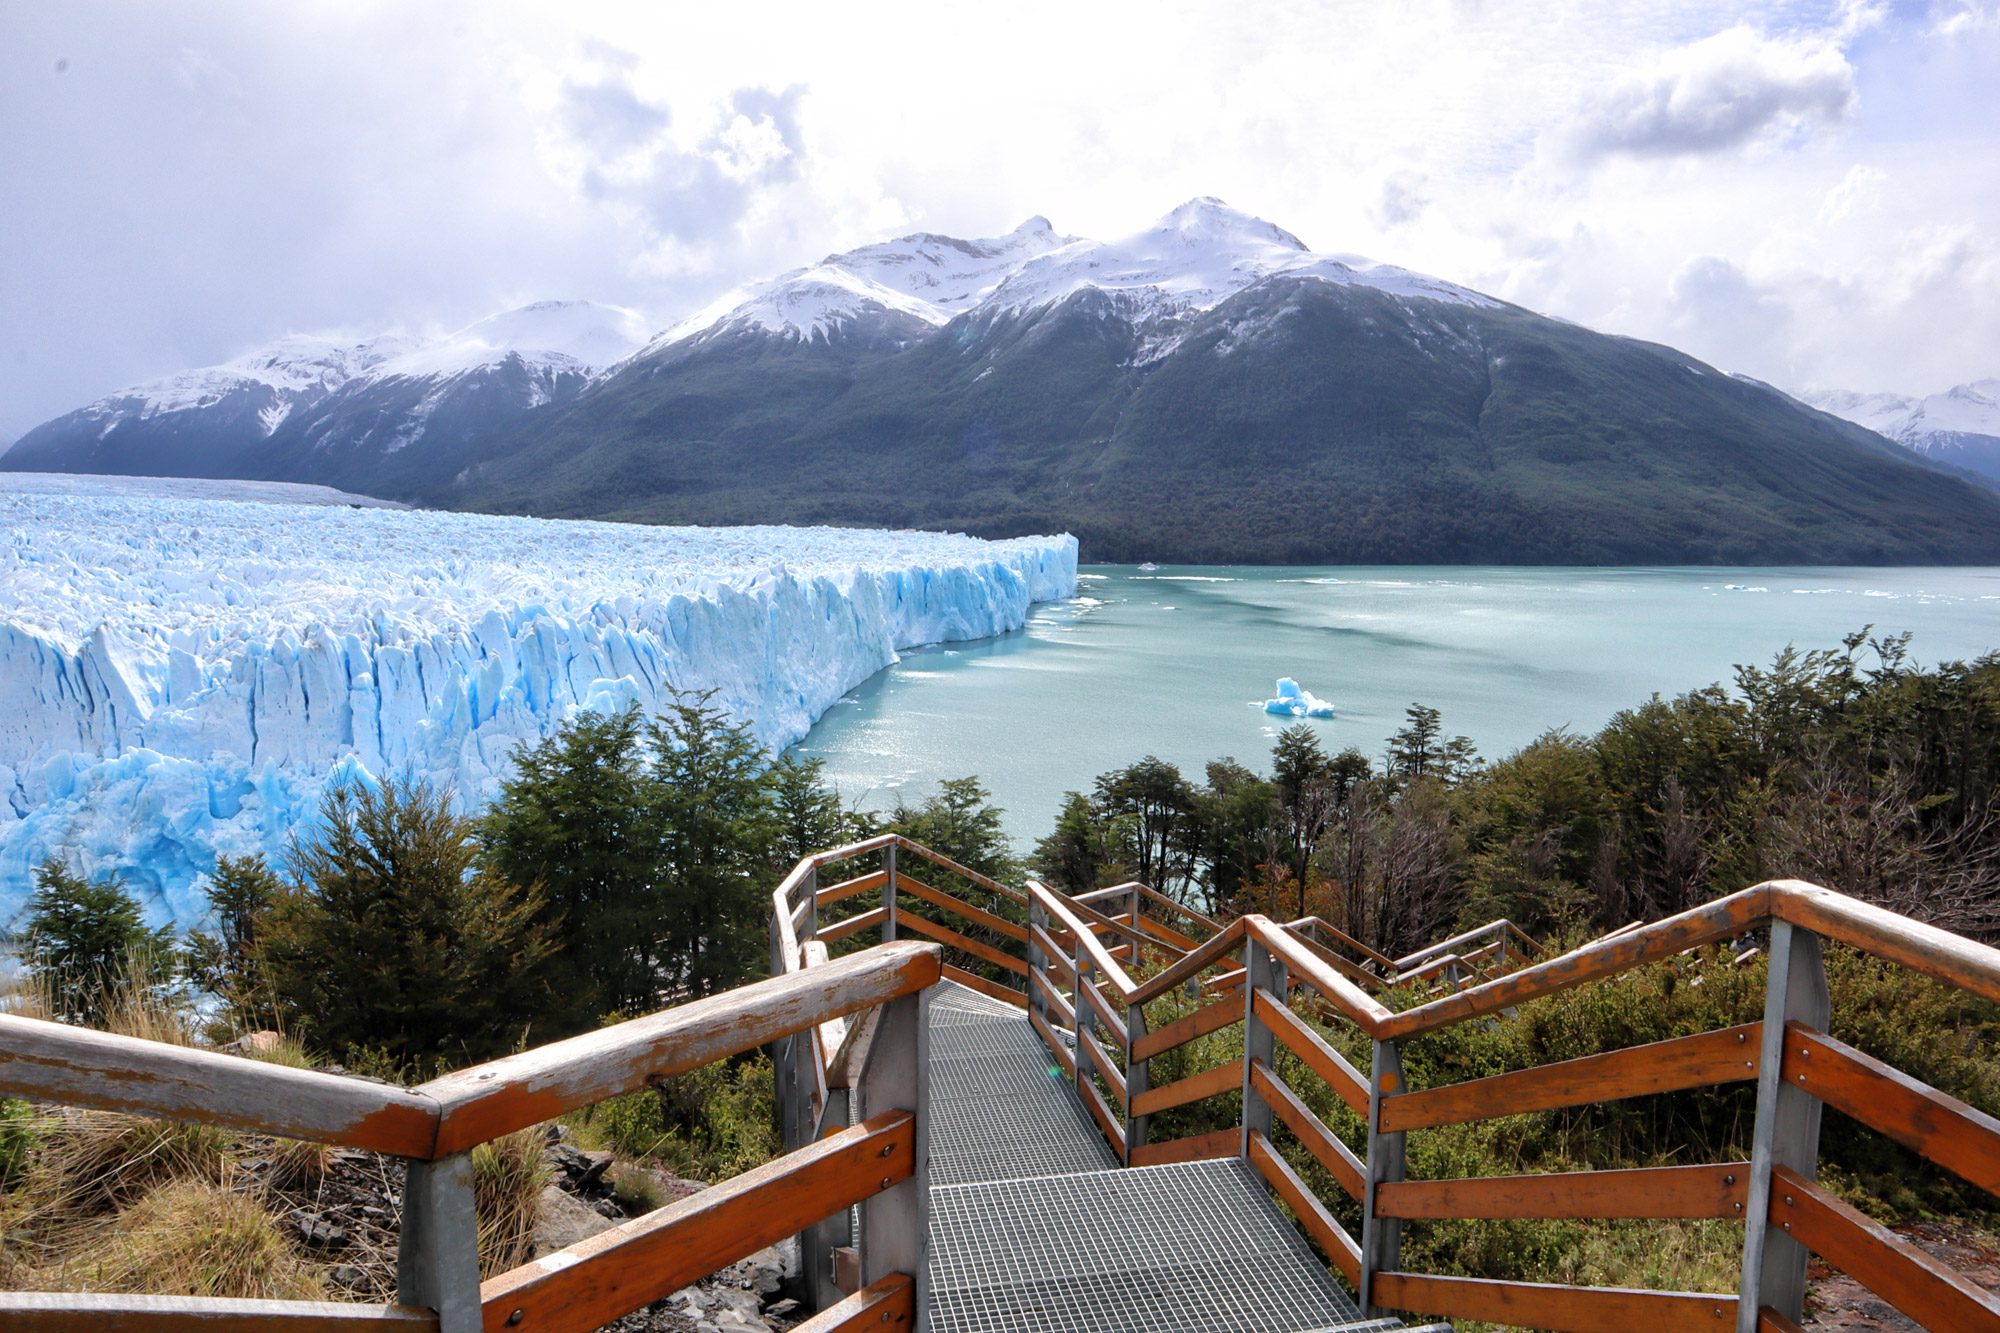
(437, 1253)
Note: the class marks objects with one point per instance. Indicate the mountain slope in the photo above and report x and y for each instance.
(1240, 400)
(323, 409)
(1208, 389)
(1960, 426)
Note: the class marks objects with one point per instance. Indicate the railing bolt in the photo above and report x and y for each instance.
(1729, 1180)
(516, 1317)
(888, 1148)
(885, 1182)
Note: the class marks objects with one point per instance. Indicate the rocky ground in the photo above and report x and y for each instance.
(1836, 1301)
(347, 1217)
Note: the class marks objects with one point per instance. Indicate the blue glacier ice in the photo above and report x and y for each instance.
(1295, 702)
(184, 665)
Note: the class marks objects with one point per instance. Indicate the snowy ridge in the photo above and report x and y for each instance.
(1968, 409)
(182, 674)
(302, 370)
(1190, 261)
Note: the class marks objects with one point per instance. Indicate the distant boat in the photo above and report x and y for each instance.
(1148, 567)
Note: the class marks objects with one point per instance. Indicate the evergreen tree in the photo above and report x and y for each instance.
(809, 814)
(575, 818)
(713, 830)
(960, 822)
(239, 893)
(84, 936)
(395, 937)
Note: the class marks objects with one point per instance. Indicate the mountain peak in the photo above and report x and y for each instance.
(1207, 220)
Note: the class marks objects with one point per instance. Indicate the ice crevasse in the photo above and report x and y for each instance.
(182, 674)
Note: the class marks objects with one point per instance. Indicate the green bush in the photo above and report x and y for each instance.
(707, 1124)
(394, 938)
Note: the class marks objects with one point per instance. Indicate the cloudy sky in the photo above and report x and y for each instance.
(1805, 192)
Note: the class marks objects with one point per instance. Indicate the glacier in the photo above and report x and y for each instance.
(185, 665)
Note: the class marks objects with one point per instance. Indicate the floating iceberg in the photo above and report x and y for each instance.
(184, 665)
(1295, 702)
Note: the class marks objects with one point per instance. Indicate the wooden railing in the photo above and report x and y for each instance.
(876, 995)
(1082, 989)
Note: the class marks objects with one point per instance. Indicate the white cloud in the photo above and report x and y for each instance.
(362, 163)
(1735, 88)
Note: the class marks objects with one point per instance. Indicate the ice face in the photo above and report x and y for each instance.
(1295, 702)
(181, 674)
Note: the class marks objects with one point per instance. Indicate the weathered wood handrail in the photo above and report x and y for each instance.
(433, 1127)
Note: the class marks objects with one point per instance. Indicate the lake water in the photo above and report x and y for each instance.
(1175, 662)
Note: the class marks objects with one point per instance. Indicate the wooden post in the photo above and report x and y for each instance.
(889, 894)
(437, 1252)
(812, 909)
(1786, 1132)
(1260, 968)
(895, 1224)
(1381, 1237)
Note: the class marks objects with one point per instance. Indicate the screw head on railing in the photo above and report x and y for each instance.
(885, 1182)
(888, 1148)
(516, 1317)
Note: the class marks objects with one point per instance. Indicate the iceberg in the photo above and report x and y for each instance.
(185, 665)
(1295, 702)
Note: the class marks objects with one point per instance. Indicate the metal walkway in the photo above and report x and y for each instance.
(1036, 1229)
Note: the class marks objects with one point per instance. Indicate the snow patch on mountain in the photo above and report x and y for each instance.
(184, 665)
(569, 335)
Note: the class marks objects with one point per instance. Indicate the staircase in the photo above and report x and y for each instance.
(1035, 1226)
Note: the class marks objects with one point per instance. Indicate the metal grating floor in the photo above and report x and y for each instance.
(1036, 1229)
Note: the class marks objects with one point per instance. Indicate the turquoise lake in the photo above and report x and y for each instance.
(1176, 663)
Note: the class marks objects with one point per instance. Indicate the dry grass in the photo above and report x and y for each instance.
(189, 1236)
(508, 1176)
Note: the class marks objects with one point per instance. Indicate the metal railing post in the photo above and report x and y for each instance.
(889, 894)
(1038, 919)
(1260, 968)
(437, 1251)
(1381, 1237)
(1136, 1078)
(817, 1245)
(1786, 1132)
(895, 1224)
(1086, 1020)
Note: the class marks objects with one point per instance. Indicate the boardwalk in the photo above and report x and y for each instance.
(1034, 1226)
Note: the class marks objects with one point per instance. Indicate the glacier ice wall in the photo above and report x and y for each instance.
(180, 676)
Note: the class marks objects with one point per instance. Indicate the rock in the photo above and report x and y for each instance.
(564, 1222)
(322, 1234)
(763, 1272)
(782, 1309)
(347, 1275)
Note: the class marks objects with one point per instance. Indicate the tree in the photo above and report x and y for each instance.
(573, 818)
(1075, 857)
(960, 822)
(1420, 750)
(713, 831)
(239, 893)
(396, 936)
(809, 814)
(85, 936)
(1149, 808)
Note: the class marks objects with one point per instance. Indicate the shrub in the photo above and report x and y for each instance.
(707, 1124)
(393, 938)
(508, 1176)
(198, 1237)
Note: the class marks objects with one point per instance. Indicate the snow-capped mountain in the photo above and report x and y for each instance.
(1960, 426)
(1188, 262)
(375, 395)
(1206, 389)
(921, 277)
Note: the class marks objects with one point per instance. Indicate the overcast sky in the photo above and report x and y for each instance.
(1808, 193)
